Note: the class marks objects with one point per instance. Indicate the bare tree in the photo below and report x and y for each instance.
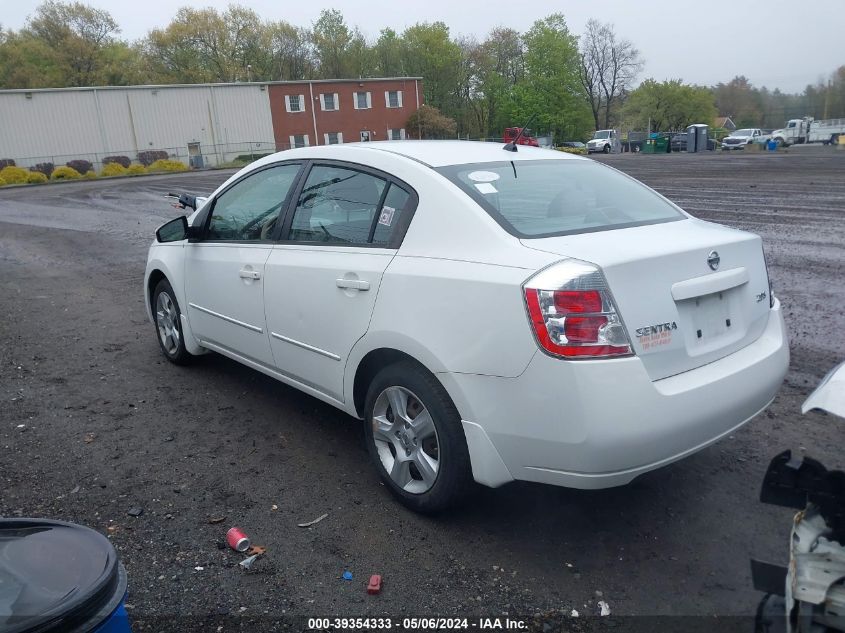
(608, 67)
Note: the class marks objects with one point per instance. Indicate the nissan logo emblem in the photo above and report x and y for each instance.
(713, 260)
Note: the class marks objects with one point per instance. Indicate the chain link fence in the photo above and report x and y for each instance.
(193, 155)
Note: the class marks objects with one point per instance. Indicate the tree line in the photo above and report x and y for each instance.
(572, 84)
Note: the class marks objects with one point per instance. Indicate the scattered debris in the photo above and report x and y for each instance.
(256, 550)
(274, 507)
(374, 586)
(21, 426)
(314, 522)
(347, 575)
(198, 568)
(90, 437)
(569, 565)
(574, 613)
(75, 490)
(213, 520)
(237, 539)
(135, 512)
(246, 563)
(605, 608)
(112, 528)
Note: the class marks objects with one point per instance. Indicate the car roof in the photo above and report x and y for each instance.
(430, 153)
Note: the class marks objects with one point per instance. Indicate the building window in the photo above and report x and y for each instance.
(333, 138)
(393, 98)
(396, 135)
(295, 103)
(330, 101)
(299, 140)
(363, 100)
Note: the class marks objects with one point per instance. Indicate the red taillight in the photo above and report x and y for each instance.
(572, 322)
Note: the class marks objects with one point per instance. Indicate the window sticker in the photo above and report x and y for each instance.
(486, 187)
(483, 176)
(386, 217)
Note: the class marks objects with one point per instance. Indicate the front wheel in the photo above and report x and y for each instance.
(606, 149)
(168, 322)
(415, 438)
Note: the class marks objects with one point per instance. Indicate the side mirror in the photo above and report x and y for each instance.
(176, 231)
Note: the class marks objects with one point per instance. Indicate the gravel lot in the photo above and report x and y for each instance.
(109, 425)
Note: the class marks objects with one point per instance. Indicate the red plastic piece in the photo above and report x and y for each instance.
(375, 584)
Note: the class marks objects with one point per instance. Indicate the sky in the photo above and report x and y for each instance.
(699, 42)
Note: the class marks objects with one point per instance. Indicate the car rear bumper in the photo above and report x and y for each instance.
(598, 424)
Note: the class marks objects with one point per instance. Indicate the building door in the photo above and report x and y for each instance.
(365, 136)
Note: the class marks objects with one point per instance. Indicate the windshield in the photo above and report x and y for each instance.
(743, 133)
(602, 134)
(543, 198)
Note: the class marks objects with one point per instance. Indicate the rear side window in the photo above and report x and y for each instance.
(544, 198)
(342, 205)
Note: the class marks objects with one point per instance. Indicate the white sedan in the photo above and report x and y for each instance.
(491, 315)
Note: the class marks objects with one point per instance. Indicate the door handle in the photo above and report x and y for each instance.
(249, 274)
(356, 284)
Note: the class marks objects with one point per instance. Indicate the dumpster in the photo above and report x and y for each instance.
(59, 577)
(656, 145)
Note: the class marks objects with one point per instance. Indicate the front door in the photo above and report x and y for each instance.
(323, 278)
(224, 272)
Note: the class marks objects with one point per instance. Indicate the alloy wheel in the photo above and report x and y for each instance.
(406, 439)
(167, 322)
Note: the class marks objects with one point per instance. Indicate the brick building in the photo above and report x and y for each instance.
(200, 124)
(323, 112)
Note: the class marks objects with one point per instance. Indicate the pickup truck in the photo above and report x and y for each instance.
(740, 138)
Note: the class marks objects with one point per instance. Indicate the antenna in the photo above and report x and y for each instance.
(511, 147)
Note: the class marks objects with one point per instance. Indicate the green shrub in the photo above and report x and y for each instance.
(36, 178)
(248, 158)
(114, 169)
(2, 183)
(164, 164)
(90, 174)
(14, 175)
(65, 173)
(573, 150)
(135, 169)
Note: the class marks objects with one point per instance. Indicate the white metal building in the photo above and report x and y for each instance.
(214, 122)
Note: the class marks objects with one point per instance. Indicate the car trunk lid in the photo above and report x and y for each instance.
(681, 308)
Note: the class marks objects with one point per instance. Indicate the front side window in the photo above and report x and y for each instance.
(249, 210)
(544, 198)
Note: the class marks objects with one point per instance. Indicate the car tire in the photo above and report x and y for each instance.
(606, 149)
(167, 319)
(421, 455)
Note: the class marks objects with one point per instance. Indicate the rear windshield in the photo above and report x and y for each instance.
(543, 198)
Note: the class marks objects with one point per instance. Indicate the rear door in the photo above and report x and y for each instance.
(224, 272)
(323, 277)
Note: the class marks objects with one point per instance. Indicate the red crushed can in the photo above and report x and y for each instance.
(237, 540)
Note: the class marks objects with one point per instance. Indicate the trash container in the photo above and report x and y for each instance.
(648, 146)
(59, 577)
(661, 145)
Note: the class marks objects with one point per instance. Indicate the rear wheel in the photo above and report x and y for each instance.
(415, 438)
(168, 322)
